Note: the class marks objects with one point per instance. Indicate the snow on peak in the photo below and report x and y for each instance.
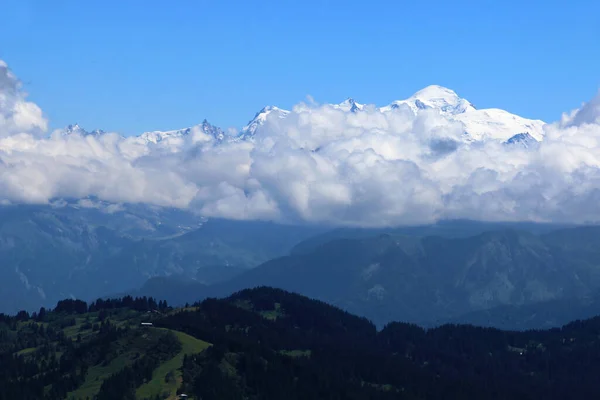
(435, 93)
(524, 140)
(497, 124)
(445, 100)
(75, 129)
(214, 131)
(259, 119)
(349, 105)
(478, 125)
(159, 136)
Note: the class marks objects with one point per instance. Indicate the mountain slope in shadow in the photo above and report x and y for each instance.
(430, 280)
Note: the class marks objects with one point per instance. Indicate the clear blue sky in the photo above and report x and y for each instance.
(134, 65)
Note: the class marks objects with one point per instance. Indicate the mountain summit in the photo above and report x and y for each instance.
(75, 129)
(349, 105)
(259, 119)
(205, 127)
(434, 97)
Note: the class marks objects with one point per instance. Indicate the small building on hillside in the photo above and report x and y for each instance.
(146, 323)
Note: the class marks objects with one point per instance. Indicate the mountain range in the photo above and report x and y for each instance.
(430, 280)
(509, 275)
(477, 124)
(76, 250)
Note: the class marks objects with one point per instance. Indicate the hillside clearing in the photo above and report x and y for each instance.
(166, 379)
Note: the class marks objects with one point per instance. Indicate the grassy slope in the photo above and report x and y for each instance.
(158, 385)
(128, 350)
(98, 373)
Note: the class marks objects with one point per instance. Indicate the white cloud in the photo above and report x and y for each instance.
(588, 114)
(319, 164)
(16, 114)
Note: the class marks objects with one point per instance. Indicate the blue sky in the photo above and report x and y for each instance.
(132, 66)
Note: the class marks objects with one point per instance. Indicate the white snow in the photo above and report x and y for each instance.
(498, 124)
(75, 129)
(485, 124)
(479, 125)
(259, 119)
(434, 97)
(349, 105)
(204, 129)
(159, 136)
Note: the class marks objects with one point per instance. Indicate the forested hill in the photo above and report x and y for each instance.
(266, 343)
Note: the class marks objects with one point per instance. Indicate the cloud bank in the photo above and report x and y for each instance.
(17, 114)
(319, 164)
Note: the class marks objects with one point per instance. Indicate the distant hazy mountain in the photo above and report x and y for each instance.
(447, 229)
(434, 279)
(44, 256)
(430, 274)
(136, 221)
(542, 315)
(70, 250)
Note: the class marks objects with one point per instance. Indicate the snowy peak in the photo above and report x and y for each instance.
(434, 97)
(259, 120)
(497, 124)
(437, 94)
(478, 125)
(248, 131)
(214, 131)
(75, 129)
(156, 137)
(159, 136)
(349, 105)
(523, 140)
(484, 124)
(444, 99)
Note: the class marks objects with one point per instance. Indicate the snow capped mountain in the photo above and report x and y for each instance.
(434, 97)
(484, 124)
(205, 127)
(259, 119)
(214, 131)
(524, 140)
(479, 125)
(159, 136)
(349, 105)
(493, 123)
(75, 129)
